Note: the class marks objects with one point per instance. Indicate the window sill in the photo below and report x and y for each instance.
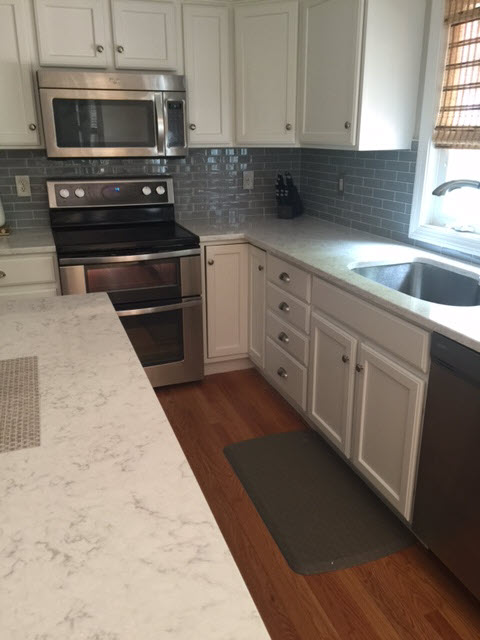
(465, 242)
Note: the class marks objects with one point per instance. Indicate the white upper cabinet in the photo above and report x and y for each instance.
(208, 62)
(266, 62)
(18, 120)
(71, 33)
(359, 72)
(144, 34)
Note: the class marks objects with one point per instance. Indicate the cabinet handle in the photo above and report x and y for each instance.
(283, 337)
(345, 359)
(210, 262)
(261, 267)
(288, 126)
(359, 368)
(192, 127)
(282, 373)
(100, 48)
(120, 49)
(283, 306)
(32, 127)
(3, 274)
(285, 277)
(347, 125)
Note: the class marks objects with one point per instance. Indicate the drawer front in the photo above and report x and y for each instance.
(19, 269)
(408, 342)
(289, 278)
(289, 376)
(27, 291)
(289, 308)
(287, 338)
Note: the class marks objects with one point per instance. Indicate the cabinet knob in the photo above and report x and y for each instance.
(345, 359)
(285, 277)
(100, 49)
(283, 337)
(192, 127)
(282, 373)
(283, 306)
(359, 368)
(3, 274)
(210, 262)
(32, 126)
(288, 126)
(261, 267)
(120, 49)
(347, 125)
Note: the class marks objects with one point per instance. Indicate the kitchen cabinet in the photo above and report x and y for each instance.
(26, 275)
(266, 62)
(208, 71)
(359, 72)
(18, 119)
(227, 299)
(256, 305)
(144, 34)
(72, 33)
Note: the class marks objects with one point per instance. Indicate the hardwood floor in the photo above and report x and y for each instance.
(408, 595)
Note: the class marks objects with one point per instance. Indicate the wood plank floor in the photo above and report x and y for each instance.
(408, 595)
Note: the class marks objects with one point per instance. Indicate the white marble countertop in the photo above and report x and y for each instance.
(327, 250)
(104, 531)
(27, 241)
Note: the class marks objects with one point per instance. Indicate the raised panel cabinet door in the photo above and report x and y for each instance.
(266, 69)
(256, 306)
(18, 119)
(227, 300)
(144, 34)
(332, 378)
(388, 412)
(71, 33)
(207, 41)
(330, 64)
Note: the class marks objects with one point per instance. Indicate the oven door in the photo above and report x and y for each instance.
(90, 123)
(168, 340)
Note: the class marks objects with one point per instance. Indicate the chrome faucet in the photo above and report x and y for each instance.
(445, 187)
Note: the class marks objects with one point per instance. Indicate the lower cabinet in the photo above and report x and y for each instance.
(256, 305)
(226, 274)
(25, 275)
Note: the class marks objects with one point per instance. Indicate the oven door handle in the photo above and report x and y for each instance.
(65, 262)
(164, 307)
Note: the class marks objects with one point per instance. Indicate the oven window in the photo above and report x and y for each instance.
(157, 274)
(104, 123)
(156, 337)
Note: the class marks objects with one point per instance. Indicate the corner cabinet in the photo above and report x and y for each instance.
(208, 71)
(266, 64)
(18, 119)
(257, 276)
(359, 72)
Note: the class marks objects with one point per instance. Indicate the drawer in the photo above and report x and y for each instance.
(287, 338)
(405, 340)
(289, 278)
(20, 269)
(289, 308)
(293, 382)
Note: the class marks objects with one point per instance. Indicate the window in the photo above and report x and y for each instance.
(449, 146)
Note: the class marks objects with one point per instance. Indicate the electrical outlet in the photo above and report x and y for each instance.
(23, 186)
(248, 179)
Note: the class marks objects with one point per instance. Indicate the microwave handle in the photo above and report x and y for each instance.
(160, 119)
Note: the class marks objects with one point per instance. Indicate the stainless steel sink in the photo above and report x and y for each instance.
(427, 281)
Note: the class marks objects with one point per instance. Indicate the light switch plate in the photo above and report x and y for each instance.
(248, 179)
(23, 186)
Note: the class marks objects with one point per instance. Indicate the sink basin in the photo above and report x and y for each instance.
(427, 280)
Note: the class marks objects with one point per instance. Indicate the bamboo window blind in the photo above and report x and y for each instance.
(458, 121)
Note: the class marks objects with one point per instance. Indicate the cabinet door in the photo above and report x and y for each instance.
(208, 72)
(388, 410)
(18, 120)
(266, 59)
(332, 373)
(71, 33)
(256, 306)
(144, 33)
(330, 60)
(227, 300)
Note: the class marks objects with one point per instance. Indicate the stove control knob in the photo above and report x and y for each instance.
(160, 190)
(64, 193)
(79, 192)
(146, 191)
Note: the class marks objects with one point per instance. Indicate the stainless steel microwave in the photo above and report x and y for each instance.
(101, 114)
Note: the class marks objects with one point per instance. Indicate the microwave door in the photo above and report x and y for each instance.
(174, 115)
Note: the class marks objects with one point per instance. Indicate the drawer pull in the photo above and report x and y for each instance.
(120, 49)
(283, 337)
(3, 274)
(359, 368)
(345, 359)
(282, 373)
(284, 277)
(260, 267)
(283, 306)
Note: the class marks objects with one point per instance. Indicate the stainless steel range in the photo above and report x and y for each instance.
(120, 237)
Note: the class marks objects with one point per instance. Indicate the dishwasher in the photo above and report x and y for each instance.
(447, 501)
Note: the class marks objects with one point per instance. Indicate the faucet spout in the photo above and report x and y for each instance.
(445, 187)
